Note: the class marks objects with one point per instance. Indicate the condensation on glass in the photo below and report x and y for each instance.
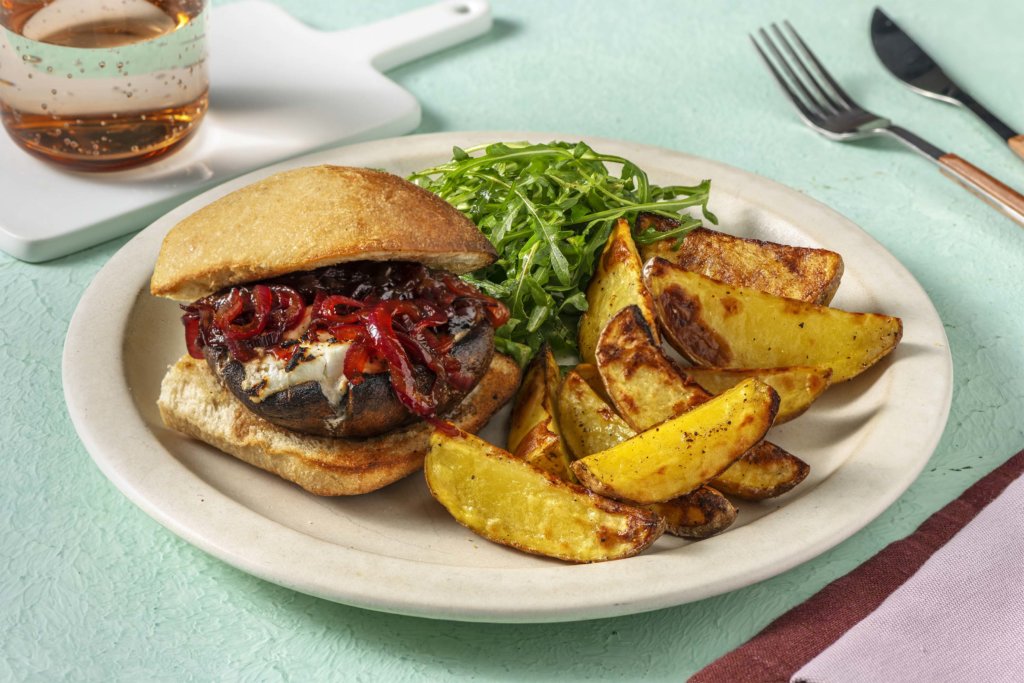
(102, 84)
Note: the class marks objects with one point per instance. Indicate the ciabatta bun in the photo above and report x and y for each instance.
(312, 217)
(194, 402)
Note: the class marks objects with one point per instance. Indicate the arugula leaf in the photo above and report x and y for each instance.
(548, 209)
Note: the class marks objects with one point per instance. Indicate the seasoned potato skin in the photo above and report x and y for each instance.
(680, 455)
(798, 386)
(648, 389)
(534, 433)
(765, 471)
(589, 424)
(617, 283)
(530, 407)
(716, 324)
(645, 386)
(367, 409)
(699, 514)
(508, 501)
(803, 273)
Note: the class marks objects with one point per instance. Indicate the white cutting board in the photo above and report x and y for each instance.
(278, 88)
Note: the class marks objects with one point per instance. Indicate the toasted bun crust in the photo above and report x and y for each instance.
(193, 402)
(312, 217)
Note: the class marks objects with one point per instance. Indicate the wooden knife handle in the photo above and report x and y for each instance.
(1016, 143)
(984, 186)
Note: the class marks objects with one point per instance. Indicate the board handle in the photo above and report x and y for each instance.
(407, 37)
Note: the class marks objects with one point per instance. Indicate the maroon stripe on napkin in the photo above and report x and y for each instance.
(799, 635)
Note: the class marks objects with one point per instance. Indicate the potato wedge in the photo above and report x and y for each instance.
(588, 423)
(533, 433)
(679, 455)
(765, 471)
(590, 374)
(645, 386)
(528, 408)
(648, 389)
(716, 324)
(617, 283)
(552, 383)
(798, 386)
(541, 448)
(557, 455)
(505, 500)
(699, 514)
(803, 273)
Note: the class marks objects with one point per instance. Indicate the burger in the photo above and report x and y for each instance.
(326, 328)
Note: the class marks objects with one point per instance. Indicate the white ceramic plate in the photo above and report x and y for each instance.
(397, 550)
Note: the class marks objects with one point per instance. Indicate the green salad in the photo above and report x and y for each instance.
(548, 209)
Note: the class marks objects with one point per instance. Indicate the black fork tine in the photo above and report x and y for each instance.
(823, 94)
(846, 99)
(794, 98)
(809, 98)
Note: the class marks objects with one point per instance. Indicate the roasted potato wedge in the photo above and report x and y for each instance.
(617, 282)
(591, 375)
(645, 386)
(588, 423)
(541, 448)
(533, 433)
(679, 455)
(648, 389)
(552, 383)
(699, 514)
(505, 500)
(716, 324)
(765, 471)
(802, 273)
(798, 386)
(528, 408)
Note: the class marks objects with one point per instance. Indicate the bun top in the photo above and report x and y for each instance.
(312, 217)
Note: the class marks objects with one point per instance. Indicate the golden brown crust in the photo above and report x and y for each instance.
(803, 273)
(193, 402)
(312, 217)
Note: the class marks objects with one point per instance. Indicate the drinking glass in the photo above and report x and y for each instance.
(99, 85)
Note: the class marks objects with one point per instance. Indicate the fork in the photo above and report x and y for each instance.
(825, 107)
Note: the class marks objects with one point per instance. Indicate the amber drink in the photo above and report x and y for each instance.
(101, 85)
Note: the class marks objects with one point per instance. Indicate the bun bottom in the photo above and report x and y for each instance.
(192, 401)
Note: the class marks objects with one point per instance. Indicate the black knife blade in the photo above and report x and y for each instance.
(907, 61)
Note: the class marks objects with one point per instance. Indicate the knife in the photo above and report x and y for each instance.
(908, 62)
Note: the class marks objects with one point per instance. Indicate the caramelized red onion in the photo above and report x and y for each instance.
(397, 315)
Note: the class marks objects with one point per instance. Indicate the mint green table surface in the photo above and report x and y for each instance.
(91, 589)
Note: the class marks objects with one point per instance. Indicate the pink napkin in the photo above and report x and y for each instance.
(944, 604)
(959, 618)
